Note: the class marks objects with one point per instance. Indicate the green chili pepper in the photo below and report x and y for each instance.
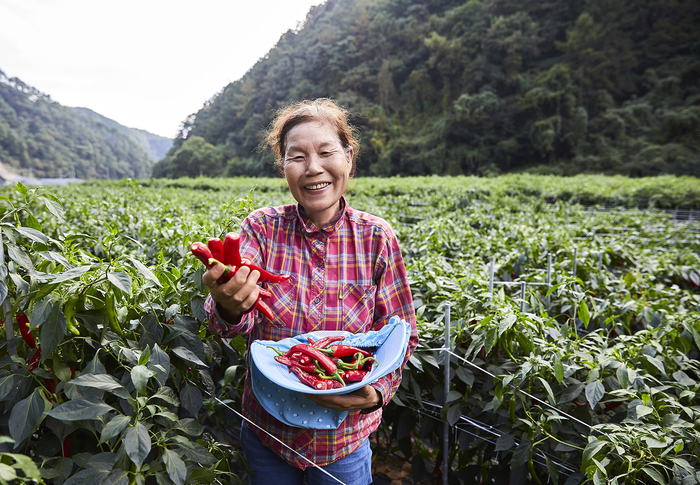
(111, 312)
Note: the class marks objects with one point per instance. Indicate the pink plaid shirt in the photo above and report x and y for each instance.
(347, 276)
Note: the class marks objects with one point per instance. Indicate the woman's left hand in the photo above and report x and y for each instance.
(363, 398)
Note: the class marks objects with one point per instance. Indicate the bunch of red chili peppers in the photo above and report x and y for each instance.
(228, 252)
(323, 366)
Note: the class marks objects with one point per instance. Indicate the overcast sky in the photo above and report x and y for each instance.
(143, 63)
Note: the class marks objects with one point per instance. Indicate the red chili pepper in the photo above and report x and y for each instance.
(66, 448)
(325, 361)
(232, 249)
(34, 361)
(354, 375)
(324, 342)
(23, 324)
(263, 308)
(202, 252)
(289, 362)
(216, 246)
(345, 351)
(310, 380)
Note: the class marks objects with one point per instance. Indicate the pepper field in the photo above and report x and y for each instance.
(579, 359)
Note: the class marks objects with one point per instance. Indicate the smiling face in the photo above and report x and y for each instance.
(317, 169)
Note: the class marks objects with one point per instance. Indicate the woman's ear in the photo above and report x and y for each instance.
(349, 152)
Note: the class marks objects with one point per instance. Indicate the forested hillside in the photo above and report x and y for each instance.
(475, 87)
(156, 146)
(40, 137)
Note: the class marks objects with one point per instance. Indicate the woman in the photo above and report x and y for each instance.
(347, 273)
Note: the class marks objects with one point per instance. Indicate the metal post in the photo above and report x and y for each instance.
(446, 425)
(549, 280)
(491, 266)
(522, 296)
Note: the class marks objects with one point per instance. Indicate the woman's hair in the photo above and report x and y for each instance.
(322, 110)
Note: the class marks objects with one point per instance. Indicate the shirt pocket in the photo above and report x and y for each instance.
(358, 306)
(282, 303)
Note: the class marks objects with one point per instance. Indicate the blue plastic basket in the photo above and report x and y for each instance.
(282, 394)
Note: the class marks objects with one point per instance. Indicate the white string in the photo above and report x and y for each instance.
(513, 386)
(270, 435)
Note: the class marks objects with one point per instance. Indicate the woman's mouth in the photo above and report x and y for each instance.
(318, 186)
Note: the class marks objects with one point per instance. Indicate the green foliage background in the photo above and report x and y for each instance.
(474, 87)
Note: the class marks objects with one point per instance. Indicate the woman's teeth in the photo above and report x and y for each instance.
(317, 186)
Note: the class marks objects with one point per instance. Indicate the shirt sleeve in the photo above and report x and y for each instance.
(251, 248)
(393, 298)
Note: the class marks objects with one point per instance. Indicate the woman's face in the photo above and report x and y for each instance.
(317, 169)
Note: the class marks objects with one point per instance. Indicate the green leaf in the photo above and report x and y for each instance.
(594, 393)
(21, 188)
(54, 208)
(504, 442)
(656, 363)
(654, 474)
(19, 257)
(191, 427)
(643, 410)
(139, 376)
(453, 396)
(592, 448)
(137, 444)
(52, 331)
(32, 234)
(114, 427)
(465, 375)
(27, 465)
(8, 384)
(105, 382)
(623, 377)
(654, 443)
(177, 471)
(570, 393)
(122, 281)
(186, 354)
(550, 394)
(25, 416)
(521, 455)
(558, 368)
(159, 358)
(191, 398)
(583, 313)
(145, 355)
(33, 222)
(88, 477)
(454, 412)
(683, 379)
(77, 409)
(40, 313)
(71, 274)
(147, 273)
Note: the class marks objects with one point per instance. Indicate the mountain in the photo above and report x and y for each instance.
(474, 87)
(155, 145)
(41, 138)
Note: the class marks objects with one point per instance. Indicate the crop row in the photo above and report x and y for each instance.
(593, 377)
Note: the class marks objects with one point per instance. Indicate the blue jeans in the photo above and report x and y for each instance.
(270, 469)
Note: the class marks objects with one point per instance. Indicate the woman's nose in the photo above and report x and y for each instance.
(313, 164)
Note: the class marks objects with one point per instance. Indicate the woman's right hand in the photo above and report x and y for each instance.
(235, 297)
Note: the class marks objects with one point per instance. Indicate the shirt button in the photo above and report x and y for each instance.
(319, 264)
(316, 300)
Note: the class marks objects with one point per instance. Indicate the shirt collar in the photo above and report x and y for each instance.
(330, 227)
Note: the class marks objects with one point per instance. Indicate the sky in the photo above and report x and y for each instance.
(146, 64)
